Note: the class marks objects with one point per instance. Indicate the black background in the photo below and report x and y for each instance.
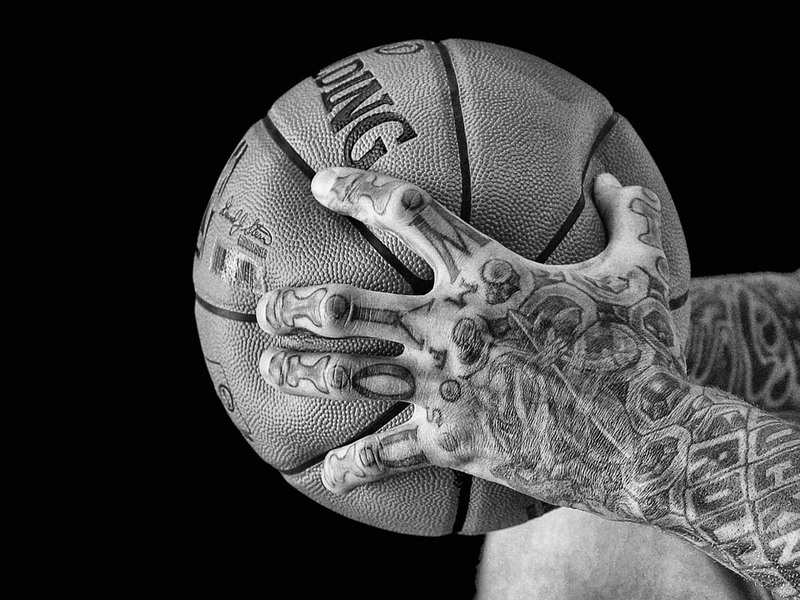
(195, 506)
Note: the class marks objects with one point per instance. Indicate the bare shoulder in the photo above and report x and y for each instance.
(572, 554)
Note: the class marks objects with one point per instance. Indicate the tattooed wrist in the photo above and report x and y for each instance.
(701, 464)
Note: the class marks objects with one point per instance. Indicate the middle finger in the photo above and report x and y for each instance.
(339, 311)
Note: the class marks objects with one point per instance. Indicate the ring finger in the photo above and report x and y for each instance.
(341, 376)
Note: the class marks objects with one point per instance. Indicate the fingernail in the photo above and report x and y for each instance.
(608, 179)
(270, 365)
(332, 479)
(265, 312)
(322, 183)
(326, 483)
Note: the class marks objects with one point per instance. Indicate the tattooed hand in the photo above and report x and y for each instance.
(567, 383)
(519, 371)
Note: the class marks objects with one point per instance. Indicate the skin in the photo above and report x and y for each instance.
(744, 339)
(567, 383)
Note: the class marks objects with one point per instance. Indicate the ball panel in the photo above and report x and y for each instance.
(530, 127)
(388, 112)
(410, 89)
(262, 230)
(276, 425)
(431, 491)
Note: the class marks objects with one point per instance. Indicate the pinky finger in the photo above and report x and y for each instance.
(374, 457)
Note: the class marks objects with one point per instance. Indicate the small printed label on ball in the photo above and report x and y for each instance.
(249, 233)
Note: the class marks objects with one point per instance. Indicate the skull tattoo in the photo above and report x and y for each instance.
(500, 279)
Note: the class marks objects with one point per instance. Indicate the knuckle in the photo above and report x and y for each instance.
(458, 443)
(339, 376)
(369, 455)
(646, 196)
(470, 340)
(650, 195)
(336, 309)
(501, 280)
(409, 200)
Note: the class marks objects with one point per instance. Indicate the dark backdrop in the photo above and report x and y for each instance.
(713, 103)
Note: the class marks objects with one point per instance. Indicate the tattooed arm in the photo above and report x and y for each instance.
(564, 382)
(745, 338)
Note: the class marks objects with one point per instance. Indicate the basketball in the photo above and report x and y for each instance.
(507, 141)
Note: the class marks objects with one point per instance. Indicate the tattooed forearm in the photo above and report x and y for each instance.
(745, 337)
(692, 460)
(731, 485)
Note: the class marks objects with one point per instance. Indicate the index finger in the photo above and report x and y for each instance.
(404, 209)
